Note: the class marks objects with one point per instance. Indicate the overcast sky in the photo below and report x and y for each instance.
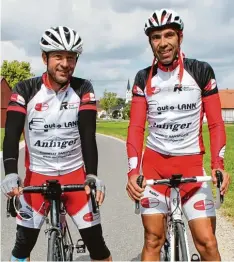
(115, 46)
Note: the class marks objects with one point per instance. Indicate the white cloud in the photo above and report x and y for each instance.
(115, 46)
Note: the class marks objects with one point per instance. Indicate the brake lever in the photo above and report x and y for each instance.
(219, 177)
(95, 206)
(137, 203)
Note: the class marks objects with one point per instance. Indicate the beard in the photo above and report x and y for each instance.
(58, 79)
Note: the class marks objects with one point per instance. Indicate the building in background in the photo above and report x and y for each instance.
(227, 105)
(128, 97)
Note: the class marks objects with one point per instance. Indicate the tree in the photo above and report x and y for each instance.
(120, 102)
(126, 111)
(15, 71)
(108, 101)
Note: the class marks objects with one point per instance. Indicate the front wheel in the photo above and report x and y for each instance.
(182, 244)
(55, 252)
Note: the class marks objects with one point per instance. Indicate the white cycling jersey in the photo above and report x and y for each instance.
(53, 145)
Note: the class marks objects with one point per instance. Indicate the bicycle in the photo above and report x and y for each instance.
(176, 246)
(60, 244)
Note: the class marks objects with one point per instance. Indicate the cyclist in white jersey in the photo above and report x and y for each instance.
(173, 94)
(57, 113)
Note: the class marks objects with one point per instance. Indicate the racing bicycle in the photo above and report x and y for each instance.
(176, 246)
(60, 244)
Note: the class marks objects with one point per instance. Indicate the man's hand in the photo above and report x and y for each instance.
(100, 195)
(226, 180)
(10, 185)
(134, 191)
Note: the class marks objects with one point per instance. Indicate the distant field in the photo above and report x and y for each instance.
(119, 129)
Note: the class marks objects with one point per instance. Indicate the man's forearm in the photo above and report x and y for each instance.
(136, 134)
(87, 130)
(216, 127)
(13, 130)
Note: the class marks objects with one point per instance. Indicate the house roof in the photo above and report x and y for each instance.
(227, 98)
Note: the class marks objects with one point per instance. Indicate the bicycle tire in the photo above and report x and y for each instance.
(55, 252)
(179, 230)
(67, 244)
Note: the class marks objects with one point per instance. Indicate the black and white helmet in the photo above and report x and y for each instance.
(162, 18)
(61, 38)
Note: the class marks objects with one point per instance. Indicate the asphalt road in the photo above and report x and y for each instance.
(122, 228)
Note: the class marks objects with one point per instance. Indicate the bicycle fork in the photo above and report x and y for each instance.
(176, 217)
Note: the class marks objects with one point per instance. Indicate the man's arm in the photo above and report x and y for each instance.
(216, 127)
(136, 127)
(135, 136)
(87, 129)
(212, 108)
(13, 130)
(14, 126)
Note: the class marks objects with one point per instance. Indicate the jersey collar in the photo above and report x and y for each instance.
(179, 62)
(169, 68)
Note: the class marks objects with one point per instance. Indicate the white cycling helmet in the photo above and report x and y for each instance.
(61, 38)
(162, 18)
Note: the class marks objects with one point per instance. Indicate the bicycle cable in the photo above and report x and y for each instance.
(18, 212)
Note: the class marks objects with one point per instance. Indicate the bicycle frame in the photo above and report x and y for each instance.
(175, 215)
(52, 191)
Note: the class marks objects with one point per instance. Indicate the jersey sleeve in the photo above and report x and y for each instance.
(18, 99)
(15, 119)
(136, 129)
(213, 111)
(87, 127)
(87, 97)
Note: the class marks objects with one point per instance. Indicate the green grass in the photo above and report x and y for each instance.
(2, 136)
(119, 129)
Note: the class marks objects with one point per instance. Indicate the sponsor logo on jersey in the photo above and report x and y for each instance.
(137, 90)
(89, 217)
(41, 106)
(190, 106)
(211, 85)
(181, 107)
(39, 124)
(153, 193)
(132, 163)
(66, 105)
(18, 99)
(179, 88)
(89, 97)
(56, 142)
(24, 214)
(172, 126)
(204, 205)
(149, 202)
(156, 89)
